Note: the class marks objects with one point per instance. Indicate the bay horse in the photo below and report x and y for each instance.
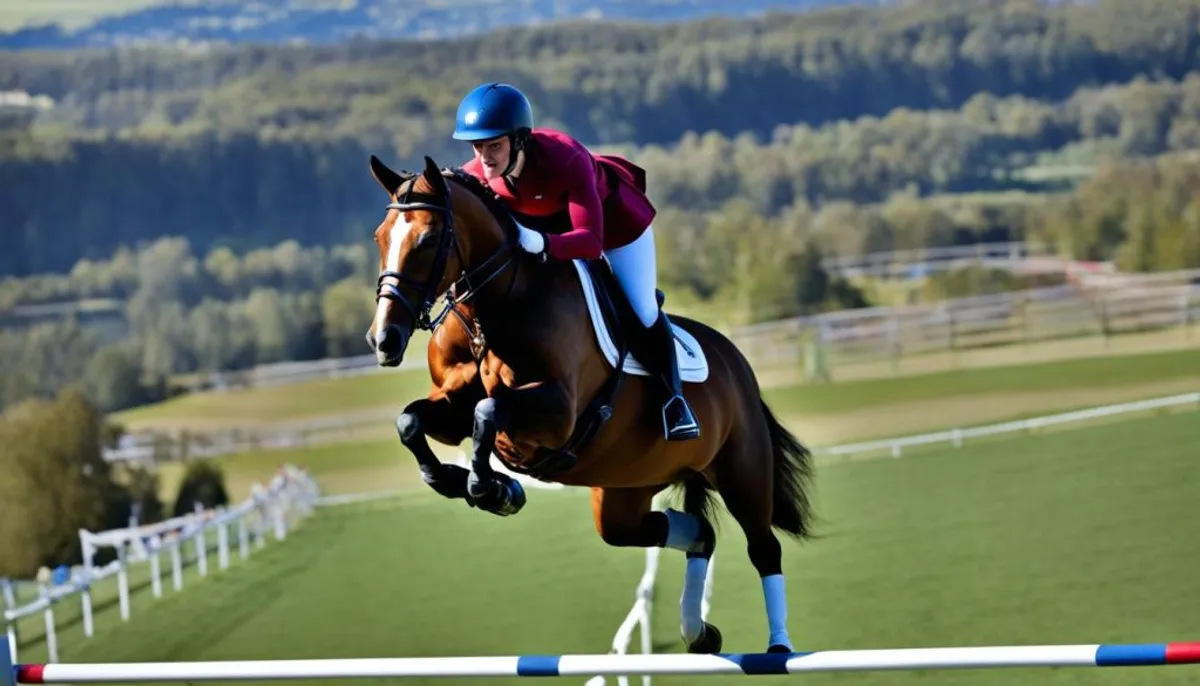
(536, 362)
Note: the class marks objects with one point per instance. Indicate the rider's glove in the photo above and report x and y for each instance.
(533, 242)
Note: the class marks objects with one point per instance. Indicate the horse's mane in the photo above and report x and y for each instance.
(480, 190)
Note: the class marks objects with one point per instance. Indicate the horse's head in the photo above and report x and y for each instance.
(421, 254)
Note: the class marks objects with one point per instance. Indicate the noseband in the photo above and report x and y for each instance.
(420, 314)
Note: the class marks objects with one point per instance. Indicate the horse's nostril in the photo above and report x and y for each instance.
(370, 336)
(389, 340)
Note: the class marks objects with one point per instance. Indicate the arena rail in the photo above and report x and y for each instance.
(289, 496)
(956, 437)
(755, 664)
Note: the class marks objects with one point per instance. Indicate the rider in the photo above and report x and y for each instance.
(551, 181)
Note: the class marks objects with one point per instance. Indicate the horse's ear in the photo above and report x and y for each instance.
(387, 178)
(433, 176)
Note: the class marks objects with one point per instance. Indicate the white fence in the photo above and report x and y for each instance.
(640, 614)
(1099, 305)
(1018, 257)
(956, 437)
(288, 497)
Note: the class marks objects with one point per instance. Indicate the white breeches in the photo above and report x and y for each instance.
(635, 268)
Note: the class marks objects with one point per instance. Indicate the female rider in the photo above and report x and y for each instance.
(550, 180)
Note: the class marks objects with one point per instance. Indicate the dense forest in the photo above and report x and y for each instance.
(221, 193)
(325, 21)
(249, 145)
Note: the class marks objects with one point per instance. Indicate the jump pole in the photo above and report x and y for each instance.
(1099, 655)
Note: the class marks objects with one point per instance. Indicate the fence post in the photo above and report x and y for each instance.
(201, 544)
(280, 521)
(10, 603)
(48, 614)
(155, 569)
(85, 601)
(123, 581)
(177, 561)
(243, 537)
(223, 542)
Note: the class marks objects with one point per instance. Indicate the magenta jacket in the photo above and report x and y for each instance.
(584, 203)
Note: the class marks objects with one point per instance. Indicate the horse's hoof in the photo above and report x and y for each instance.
(779, 649)
(501, 496)
(709, 641)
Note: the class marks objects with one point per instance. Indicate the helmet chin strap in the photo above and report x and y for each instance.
(516, 143)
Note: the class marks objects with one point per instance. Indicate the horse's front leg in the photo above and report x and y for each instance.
(490, 490)
(535, 414)
(447, 423)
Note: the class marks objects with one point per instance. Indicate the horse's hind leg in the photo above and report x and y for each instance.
(623, 518)
(744, 479)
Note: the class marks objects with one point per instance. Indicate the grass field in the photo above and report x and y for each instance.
(820, 414)
(1073, 537)
(71, 14)
(388, 393)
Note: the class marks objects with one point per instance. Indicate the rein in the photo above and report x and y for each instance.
(420, 314)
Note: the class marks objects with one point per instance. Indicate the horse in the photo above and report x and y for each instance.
(539, 367)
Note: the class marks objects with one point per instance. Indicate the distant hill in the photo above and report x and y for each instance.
(329, 21)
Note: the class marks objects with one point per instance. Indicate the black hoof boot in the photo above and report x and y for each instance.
(709, 642)
(500, 495)
(448, 480)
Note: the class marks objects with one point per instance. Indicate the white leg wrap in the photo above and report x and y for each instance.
(692, 597)
(776, 601)
(682, 530)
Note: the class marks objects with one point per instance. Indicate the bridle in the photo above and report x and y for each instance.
(420, 313)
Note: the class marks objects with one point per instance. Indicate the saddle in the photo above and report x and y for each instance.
(622, 339)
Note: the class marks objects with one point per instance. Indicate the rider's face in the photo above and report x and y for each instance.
(493, 155)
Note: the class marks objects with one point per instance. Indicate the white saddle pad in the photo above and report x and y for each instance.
(693, 366)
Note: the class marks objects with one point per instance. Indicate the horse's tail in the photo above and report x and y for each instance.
(791, 504)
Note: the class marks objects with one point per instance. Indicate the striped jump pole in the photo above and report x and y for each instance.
(1131, 655)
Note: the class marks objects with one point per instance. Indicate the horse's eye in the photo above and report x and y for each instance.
(427, 241)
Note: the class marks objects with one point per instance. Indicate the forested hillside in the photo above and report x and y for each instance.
(222, 193)
(108, 23)
(143, 134)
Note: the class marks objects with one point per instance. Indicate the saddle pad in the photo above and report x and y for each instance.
(693, 366)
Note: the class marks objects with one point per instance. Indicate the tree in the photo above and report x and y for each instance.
(346, 310)
(54, 481)
(204, 484)
(812, 281)
(113, 378)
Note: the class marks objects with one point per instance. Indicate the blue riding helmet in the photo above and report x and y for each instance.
(491, 110)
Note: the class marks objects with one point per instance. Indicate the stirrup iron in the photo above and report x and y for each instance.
(687, 428)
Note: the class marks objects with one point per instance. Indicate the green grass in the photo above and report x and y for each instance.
(350, 467)
(1096, 373)
(68, 13)
(388, 393)
(383, 391)
(1073, 537)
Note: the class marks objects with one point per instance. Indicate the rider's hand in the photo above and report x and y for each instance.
(532, 242)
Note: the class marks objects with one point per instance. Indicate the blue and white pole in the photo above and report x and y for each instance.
(751, 664)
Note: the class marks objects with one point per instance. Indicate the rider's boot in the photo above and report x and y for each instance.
(679, 423)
